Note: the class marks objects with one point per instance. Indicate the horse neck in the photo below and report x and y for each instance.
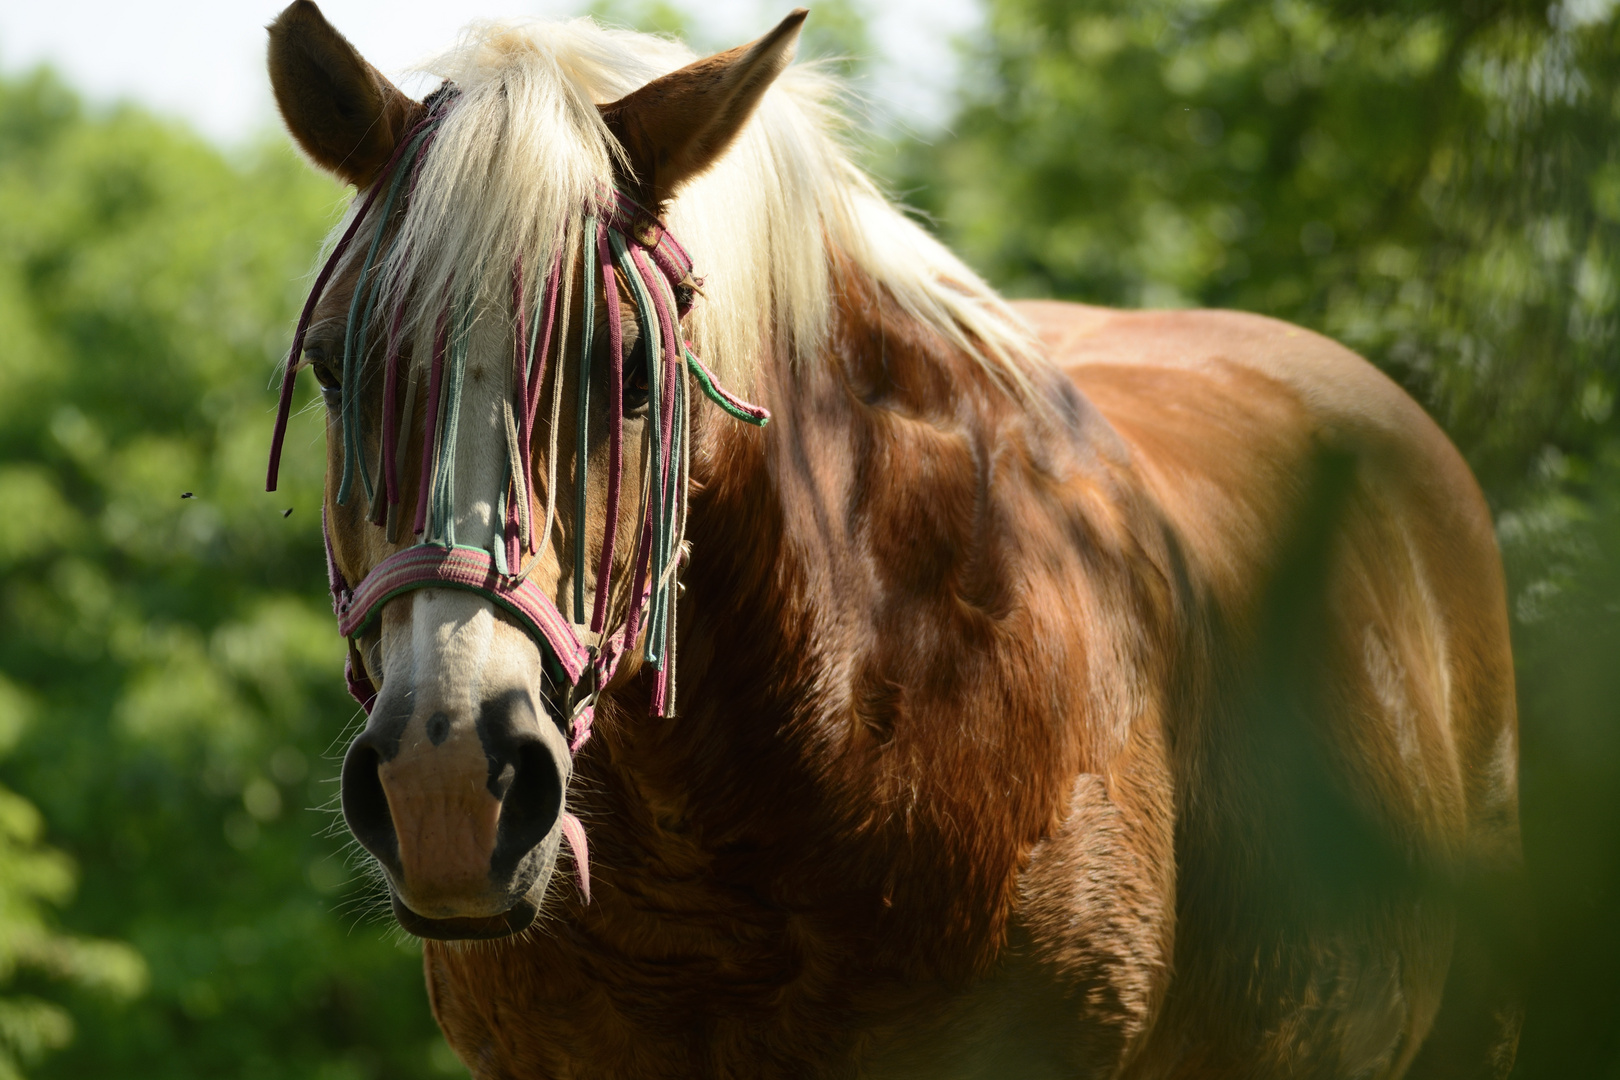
(871, 482)
(849, 564)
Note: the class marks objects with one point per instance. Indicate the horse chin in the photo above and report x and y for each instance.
(514, 920)
(542, 862)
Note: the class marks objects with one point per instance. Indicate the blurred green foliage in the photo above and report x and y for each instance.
(1563, 560)
(31, 876)
(169, 702)
(649, 17)
(838, 33)
(1436, 185)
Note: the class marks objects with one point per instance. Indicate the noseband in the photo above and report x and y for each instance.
(617, 234)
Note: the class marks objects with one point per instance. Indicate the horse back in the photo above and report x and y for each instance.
(1342, 708)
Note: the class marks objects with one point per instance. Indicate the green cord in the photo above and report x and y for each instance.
(713, 393)
(444, 496)
(352, 355)
(656, 496)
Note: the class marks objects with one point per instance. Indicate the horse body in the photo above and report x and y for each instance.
(1129, 699)
(955, 707)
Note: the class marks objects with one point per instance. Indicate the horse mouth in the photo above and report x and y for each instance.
(516, 919)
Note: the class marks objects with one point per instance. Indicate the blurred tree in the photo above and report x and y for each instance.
(167, 626)
(1436, 185)
(838, 31)
(32, 875)
(1565, 556)
(647, 16)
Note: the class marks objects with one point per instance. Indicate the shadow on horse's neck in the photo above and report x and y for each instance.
(849, 562)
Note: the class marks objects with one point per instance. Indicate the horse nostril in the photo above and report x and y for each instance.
(503, 783)
(526, 773)
(365, 805)
(531, 805)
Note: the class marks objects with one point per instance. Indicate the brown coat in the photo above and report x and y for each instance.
(978, 770)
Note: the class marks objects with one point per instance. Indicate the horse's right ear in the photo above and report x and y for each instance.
(343, 112)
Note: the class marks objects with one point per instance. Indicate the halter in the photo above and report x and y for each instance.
(617, 235)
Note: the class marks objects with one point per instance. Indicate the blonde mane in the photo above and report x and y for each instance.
(524, 150)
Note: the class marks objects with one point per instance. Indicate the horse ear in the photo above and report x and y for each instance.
(342, 111)
(677, 126)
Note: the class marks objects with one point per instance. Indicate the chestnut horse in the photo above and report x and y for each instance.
(1062, 691)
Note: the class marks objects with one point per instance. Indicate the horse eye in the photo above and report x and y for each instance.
(315, 357)
(633, 361)
(635, 385)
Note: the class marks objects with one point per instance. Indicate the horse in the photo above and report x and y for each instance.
(1060, 691)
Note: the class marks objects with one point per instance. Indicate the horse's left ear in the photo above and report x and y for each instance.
(677, 126)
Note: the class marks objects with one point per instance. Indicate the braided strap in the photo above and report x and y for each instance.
(429, 566)
(730, 403)
(635, 222)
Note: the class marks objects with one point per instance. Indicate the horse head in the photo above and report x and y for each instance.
(498, 340)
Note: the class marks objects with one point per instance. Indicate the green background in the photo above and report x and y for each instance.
(1436, 186)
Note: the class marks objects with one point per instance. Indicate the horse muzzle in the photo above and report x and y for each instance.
(462, 808)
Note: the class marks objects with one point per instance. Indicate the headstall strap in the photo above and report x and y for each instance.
(619, 237)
